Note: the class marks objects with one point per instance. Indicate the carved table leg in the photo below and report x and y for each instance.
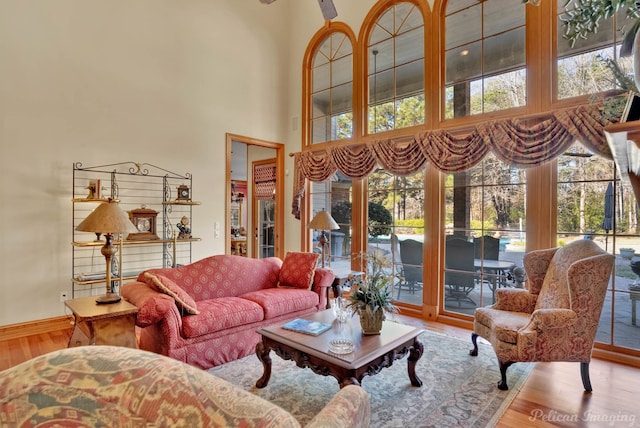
(414, 356)
(262, 352)
(349, 381)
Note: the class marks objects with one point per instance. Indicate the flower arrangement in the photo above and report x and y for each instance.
(374, 292)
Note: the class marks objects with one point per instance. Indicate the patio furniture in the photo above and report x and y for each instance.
(486, 247)
(459, 276)
(556, 318)
(411, 256)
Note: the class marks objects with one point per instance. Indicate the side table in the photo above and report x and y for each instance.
(102, 324)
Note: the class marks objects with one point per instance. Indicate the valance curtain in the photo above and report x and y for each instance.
(519, 142)
(264, 177)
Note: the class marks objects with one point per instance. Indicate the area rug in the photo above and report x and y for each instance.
(458, 390)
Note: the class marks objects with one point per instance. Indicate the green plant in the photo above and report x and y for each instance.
(375, 291)
(583, 17)
(379, 217)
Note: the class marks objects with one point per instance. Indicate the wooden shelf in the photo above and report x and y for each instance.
(180, 203)
(93, 200)
(133, 242)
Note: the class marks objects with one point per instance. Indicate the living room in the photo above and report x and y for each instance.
(160, 83)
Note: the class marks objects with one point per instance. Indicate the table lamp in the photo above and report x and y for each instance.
(107, 219)
(323, 221)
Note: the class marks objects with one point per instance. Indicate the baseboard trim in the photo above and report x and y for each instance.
(29, 328)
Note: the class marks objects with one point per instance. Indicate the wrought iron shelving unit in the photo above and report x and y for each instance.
(133, 185)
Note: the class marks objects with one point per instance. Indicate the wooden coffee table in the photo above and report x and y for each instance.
(371, 353)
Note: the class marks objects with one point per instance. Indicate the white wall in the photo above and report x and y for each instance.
(155, 81)
(98, 82)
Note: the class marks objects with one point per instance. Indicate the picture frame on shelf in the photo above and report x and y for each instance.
(94, 189)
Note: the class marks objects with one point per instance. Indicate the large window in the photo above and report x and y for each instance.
(335, 197)
(484, 56)
(485, 225)
(332, 89)
(468, 61)
(396, 228)
(592, 204)
(396, 69)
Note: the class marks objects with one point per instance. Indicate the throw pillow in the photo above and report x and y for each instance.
(165, 285)
(298, 269)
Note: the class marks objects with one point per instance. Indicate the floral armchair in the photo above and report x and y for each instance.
(556, 317)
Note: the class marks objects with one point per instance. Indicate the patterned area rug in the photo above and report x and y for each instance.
(458, 390)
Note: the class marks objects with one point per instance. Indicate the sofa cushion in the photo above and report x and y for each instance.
(280, 301)
(221, 314)
(298, 269)
(167, 286)
(504, 324)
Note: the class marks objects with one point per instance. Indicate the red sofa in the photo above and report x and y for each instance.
(207, 313)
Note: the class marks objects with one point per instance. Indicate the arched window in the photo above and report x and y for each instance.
(332, 89)
(396, 69)
(484, 56)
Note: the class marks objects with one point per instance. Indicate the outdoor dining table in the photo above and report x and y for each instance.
(496, 271)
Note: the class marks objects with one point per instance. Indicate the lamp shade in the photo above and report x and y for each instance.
(323, 221)
(107, 218)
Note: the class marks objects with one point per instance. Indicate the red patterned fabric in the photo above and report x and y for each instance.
(278, 301)
(298, 269)
(224, 276)
(559, 323)
(167, 286)
(225, 329)
(109, 386)
(519, 142)
(221, 314)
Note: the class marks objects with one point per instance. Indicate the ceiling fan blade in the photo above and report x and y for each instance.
(328, 9)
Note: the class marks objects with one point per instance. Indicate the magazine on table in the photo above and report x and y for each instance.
(301, 325)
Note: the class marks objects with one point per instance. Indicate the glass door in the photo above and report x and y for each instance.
(266, 243)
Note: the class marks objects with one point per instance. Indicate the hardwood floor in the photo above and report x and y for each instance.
(552, 396)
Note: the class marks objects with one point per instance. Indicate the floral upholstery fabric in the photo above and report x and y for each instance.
(164, 285)
(221, 314)
(223, 276)
(298, 269)
(105, 386)
(276, 304)
(235, 297)
(559, 323)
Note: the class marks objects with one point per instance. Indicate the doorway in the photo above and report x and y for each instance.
(254, 224)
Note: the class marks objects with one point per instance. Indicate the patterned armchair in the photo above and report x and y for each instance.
(556, 317)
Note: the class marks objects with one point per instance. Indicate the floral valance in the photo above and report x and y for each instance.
(519, 142)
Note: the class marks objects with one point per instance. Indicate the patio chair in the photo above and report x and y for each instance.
(411, 256)
(556, 317)
(486, 247)
(459, 277)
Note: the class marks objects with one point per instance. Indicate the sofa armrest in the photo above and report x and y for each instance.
(322, 280)
(544, 320)
(152, 305)
(350, 407)
(515, 300)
